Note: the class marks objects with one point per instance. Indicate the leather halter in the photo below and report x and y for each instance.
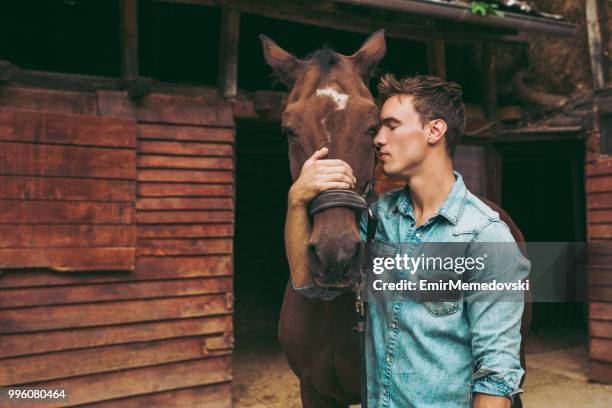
(340, 198)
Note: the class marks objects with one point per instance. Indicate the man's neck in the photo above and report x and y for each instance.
(429, 187)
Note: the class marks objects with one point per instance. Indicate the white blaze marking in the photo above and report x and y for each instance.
(325, 129)
(338, 97)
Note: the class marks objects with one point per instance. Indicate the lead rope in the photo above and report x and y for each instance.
(361, 305)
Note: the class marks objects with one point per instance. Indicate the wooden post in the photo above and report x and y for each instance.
(493, 174)
(598, 67)
(134, 84)
(489, 81)
(228, 52)
(129, 38)
(436, 58)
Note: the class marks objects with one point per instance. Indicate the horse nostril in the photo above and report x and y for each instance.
(312, 251)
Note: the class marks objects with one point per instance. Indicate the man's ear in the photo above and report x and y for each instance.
(437, 129)
(285, 65)
(369, 55)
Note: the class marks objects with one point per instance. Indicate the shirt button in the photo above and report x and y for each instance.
(388, 359)
(418, 235)
(393, 325)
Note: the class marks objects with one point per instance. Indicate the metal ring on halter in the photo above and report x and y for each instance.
(337, 198)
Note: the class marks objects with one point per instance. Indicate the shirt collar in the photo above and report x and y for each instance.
(451, 208)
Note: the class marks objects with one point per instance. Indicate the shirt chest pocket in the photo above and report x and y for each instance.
(439, 292)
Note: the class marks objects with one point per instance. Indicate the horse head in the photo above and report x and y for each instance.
(329, 105)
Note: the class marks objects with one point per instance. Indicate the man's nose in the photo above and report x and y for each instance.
(379, 140)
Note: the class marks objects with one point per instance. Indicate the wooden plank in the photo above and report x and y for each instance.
(601, 329)
(186, 148)
(183, 217)
(600, 275)
(600, 311)
(65, 212)
(57, 188)
(599, 184)
(599, 230)
(14, 345)
(600, 371)
(147, 268)
(489, 80)
(61, 295)
(184, 189)
(165, 247)
(185, 203)
(118, 384)
(599, 201)
(158, 108)
(64, 364)
(69, 259)
(51, 160)
(599, 168)
(57, 128)
(48, 100)
(129, 38)
(601, 349)
(436, 60)
(186, 176)
(186, 231)
(211, 396)
(599, 216)
(596, 51)
(173, 162)
(228, 52)
(600, 293)
(188, 133)
(57, 236)
(110, 313)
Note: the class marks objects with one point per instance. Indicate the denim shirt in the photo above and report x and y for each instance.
(422, 353)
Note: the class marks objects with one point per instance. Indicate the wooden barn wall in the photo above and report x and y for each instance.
(599, 232)
(161, 334)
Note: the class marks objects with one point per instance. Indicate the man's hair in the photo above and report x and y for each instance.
(434, 98)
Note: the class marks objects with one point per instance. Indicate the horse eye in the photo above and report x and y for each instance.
(287, 132)
(372, 130)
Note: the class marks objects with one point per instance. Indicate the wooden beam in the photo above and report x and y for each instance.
(489, 80)
(129, 39)
(135, 85)
(598, 68)
(436, 58)
(493, 171)
(228, 52)
(322, 15)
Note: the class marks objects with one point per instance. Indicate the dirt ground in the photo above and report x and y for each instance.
(557, 376)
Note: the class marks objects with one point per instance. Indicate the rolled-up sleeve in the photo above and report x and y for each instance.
(495, 316)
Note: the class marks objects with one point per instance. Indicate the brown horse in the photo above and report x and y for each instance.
(330, 105)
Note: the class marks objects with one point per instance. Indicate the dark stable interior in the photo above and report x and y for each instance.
(543, 191)
(179, 43)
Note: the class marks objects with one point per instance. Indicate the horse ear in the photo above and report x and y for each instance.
(369, 55)
(284, 64)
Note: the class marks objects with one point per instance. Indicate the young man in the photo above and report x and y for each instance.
(425, 352)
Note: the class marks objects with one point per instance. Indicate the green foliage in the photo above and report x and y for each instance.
(483, 8)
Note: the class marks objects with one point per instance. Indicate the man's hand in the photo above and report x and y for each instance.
(319, 174)
(490, 401)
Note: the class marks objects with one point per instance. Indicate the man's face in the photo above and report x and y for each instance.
(401, 141)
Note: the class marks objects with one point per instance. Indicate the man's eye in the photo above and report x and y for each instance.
(287, 132)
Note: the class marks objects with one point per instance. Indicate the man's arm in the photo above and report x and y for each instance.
(317, 175)
(495, 318)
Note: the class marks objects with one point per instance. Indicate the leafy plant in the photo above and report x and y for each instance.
(483, 8)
